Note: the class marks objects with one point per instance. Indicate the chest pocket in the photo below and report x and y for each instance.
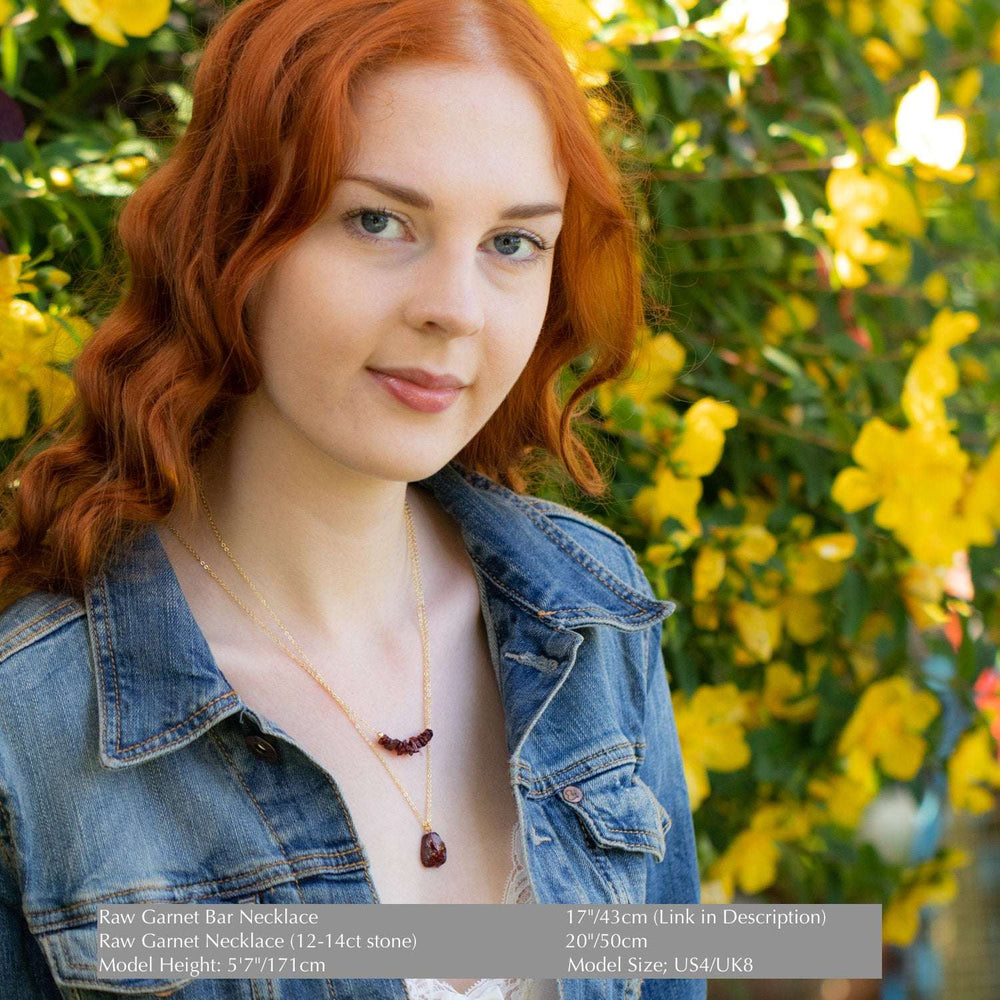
(619, 825)
(618, 810)
(73, 959)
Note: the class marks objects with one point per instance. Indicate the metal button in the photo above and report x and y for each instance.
(261, 747)
(572, 794)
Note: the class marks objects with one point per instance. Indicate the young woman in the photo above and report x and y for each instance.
(282, 623)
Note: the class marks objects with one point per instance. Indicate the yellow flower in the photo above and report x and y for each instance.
(907, 25)
(751, 860)
(30, 343)
(750, 30)
(880, 144)
(973, 771)
(946, 14)
(895, 265)
(758, 629)
(803, 617)
(980, 508)
(922, 135)
(112, 20)
(932, 375)
(860, 17)
(886, 726)
(575, 23)
(844, 796)
(900, 210)
(766, 585)
(783, 690)
(669, 496)
(700, 445)
(705, 615)
(922, 588)
(835, 547)
(12, 278)
(655, 365)
(967, 87)
(883, 59)
(857, 202)
(711, 731)
(754, 543)
(935, 288)
(817, 565)
(931, 882)
(874, 451)
(797, 315)
(707, 573)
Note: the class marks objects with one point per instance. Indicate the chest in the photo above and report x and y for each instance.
(470, 801)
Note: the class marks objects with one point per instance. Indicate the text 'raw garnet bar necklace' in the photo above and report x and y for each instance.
(432, 848)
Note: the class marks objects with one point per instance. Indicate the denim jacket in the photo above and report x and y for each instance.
(132, 772)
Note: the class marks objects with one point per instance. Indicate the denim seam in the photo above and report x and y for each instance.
(40, 632)
(267, 883)
(517, 598)
(281, 847)
(602, 573)
(246, 788)
(614, 762)
(134, 751)
(543, 522)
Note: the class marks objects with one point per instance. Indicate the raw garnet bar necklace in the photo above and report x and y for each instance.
(433, 852)
(410, 746)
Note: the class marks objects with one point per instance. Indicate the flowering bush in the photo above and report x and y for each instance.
(805, 455)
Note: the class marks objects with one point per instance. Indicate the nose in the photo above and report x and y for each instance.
(446, 294)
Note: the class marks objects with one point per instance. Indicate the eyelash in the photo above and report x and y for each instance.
(543, 247)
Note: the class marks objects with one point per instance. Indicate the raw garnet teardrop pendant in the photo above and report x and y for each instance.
(432, 850)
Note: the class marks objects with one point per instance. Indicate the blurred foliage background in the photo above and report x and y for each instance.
(805, 455)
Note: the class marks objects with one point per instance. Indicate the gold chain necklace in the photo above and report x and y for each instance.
(433, 852)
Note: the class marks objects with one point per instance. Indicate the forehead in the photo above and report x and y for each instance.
(475, 126)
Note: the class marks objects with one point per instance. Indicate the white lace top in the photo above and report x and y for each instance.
(518, 890)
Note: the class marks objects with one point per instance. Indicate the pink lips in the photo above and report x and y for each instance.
(427, 398)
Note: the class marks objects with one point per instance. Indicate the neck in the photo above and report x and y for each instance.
(325, 544)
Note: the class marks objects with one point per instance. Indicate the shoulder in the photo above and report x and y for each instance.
(588, 538)
(31, 619)
(605, 544)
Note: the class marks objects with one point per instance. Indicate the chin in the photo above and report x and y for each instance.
(400, 464)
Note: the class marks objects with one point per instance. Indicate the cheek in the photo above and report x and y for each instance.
(311, 320)
(505, 356)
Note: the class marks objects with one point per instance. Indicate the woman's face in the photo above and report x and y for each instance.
(434, 253)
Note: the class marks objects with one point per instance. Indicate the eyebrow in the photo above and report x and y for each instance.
(416, 199)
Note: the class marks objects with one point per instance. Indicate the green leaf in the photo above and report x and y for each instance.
(8, 56)
(100, 178)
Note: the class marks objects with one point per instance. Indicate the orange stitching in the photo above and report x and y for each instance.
(229, 760)
(36, 634)
(267, 883)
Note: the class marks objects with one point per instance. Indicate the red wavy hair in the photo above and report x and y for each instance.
(272, 126)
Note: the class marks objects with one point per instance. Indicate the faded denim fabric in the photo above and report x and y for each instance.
(125, 775)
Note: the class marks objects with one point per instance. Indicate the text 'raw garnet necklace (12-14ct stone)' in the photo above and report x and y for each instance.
(432, 848)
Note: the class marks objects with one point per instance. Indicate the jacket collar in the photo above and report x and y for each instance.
(159, 686)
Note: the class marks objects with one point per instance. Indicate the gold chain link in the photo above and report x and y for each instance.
(303, 661)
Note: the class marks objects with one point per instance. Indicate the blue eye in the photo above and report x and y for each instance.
(374, 221)
(368, 214)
